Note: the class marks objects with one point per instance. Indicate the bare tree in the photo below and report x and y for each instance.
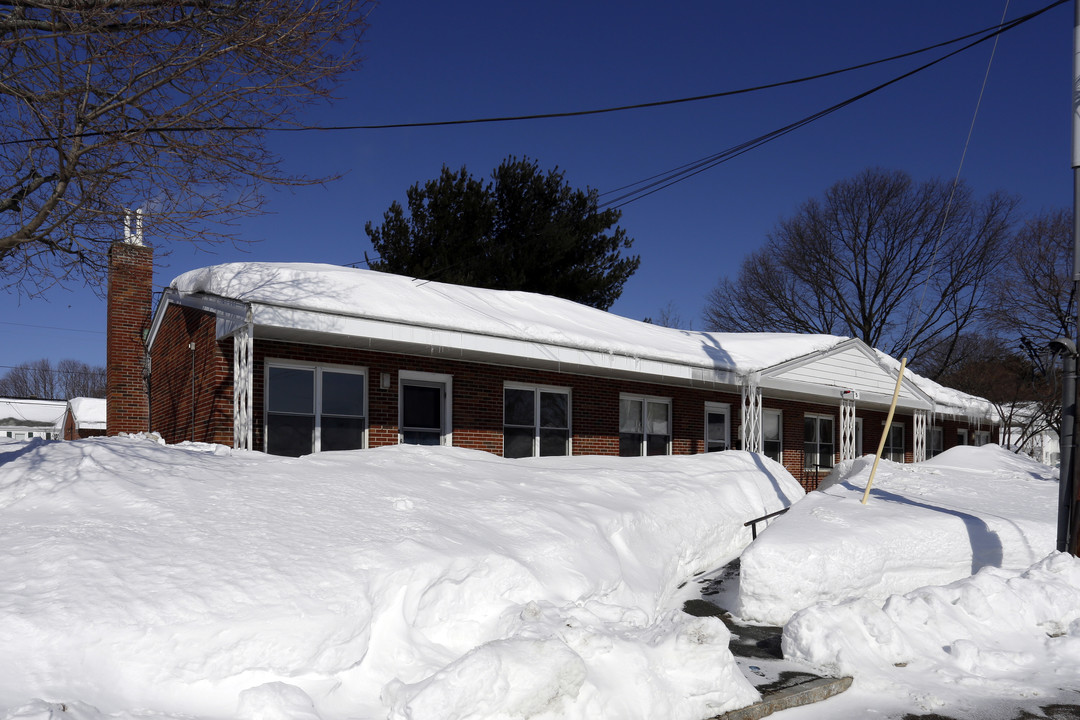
(40, 379)
(159, 104)
(903, 266)
(1032, 297)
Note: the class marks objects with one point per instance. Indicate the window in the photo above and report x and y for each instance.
(772, 434)
(536, 421)
(937, 441)
(311, 408)
(424, 409)
(717, 426)
(894, 443)
(818, 442)
(644, 425)
(982, 437)
(961, 436)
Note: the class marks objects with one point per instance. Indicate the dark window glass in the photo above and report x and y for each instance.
(554, 410)
(716, 429)
(518, 407)
(421, 437)
(290, 435)
(630, 444)
(818, 442)
(291, 390)
(341, 433)
(422, 408)
(657, 444)
(553, 442)
(342, 394)
(517, 442)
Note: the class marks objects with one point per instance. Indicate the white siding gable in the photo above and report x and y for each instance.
(848, 366)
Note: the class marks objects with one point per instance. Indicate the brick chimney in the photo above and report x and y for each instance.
(131, 280)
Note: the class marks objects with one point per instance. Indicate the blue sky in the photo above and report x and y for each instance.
(431, 60)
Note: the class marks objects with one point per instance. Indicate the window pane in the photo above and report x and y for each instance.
(341, 433)
(772, 449)
(422, 407)
(630, 416)
(290, 435)
(291, 390)
(810, 430)
(517, 442)
(658, 418)
(716, 431)
(630, 444)
(770, 425)
(554, 410)
(342, 394)
(554, 442)
(420, 437)
(518, 408)
(656, 444)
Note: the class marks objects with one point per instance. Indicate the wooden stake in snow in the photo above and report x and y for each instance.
(885, 432)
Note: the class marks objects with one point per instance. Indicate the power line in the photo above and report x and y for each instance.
(51, 327)
(666, 179)
(996, 29)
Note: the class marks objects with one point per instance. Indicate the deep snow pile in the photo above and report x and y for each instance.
(927, 523)
(140, 580)
(961, 648)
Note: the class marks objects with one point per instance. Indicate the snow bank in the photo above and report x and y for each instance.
(928, 523)
(152, 581)
(997, 634)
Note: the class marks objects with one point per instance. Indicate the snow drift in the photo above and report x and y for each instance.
(143, 580)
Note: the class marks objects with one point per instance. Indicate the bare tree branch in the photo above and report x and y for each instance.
(115, 104)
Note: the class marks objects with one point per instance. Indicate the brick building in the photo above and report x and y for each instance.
(299, 358)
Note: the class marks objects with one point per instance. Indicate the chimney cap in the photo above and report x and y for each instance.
(133, 227)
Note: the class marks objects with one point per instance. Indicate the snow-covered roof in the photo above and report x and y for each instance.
(89, 413)
(946, 399)
(323, 298)
(25, 413)
(499, 313)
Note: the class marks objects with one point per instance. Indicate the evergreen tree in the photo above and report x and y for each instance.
(522, 230)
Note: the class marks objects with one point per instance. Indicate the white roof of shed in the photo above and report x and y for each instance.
(28, 413)
(89, 413)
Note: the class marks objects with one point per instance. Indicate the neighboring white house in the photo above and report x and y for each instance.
(22, 419)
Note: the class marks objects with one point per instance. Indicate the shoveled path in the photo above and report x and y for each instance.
(757, 653)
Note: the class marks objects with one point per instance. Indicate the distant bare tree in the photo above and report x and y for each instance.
(40, 379)
(159, 104)
(670, 317)
(878, 257)
(1032, 297)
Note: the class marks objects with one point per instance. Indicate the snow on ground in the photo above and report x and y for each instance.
(151, 581)
(943, 594)
(927, 523)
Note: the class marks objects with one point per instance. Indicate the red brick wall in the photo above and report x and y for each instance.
(131, 276)
(477, 398)
(174, 367)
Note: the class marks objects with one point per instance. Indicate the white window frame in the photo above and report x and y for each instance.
(779, 426)
(888, 450)
(858, 437)
(817, 452)
(962, 436)
(645, 400)
(721, 409)
(406, 377)
(536, 390)
(982, 437)
(317, 368)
